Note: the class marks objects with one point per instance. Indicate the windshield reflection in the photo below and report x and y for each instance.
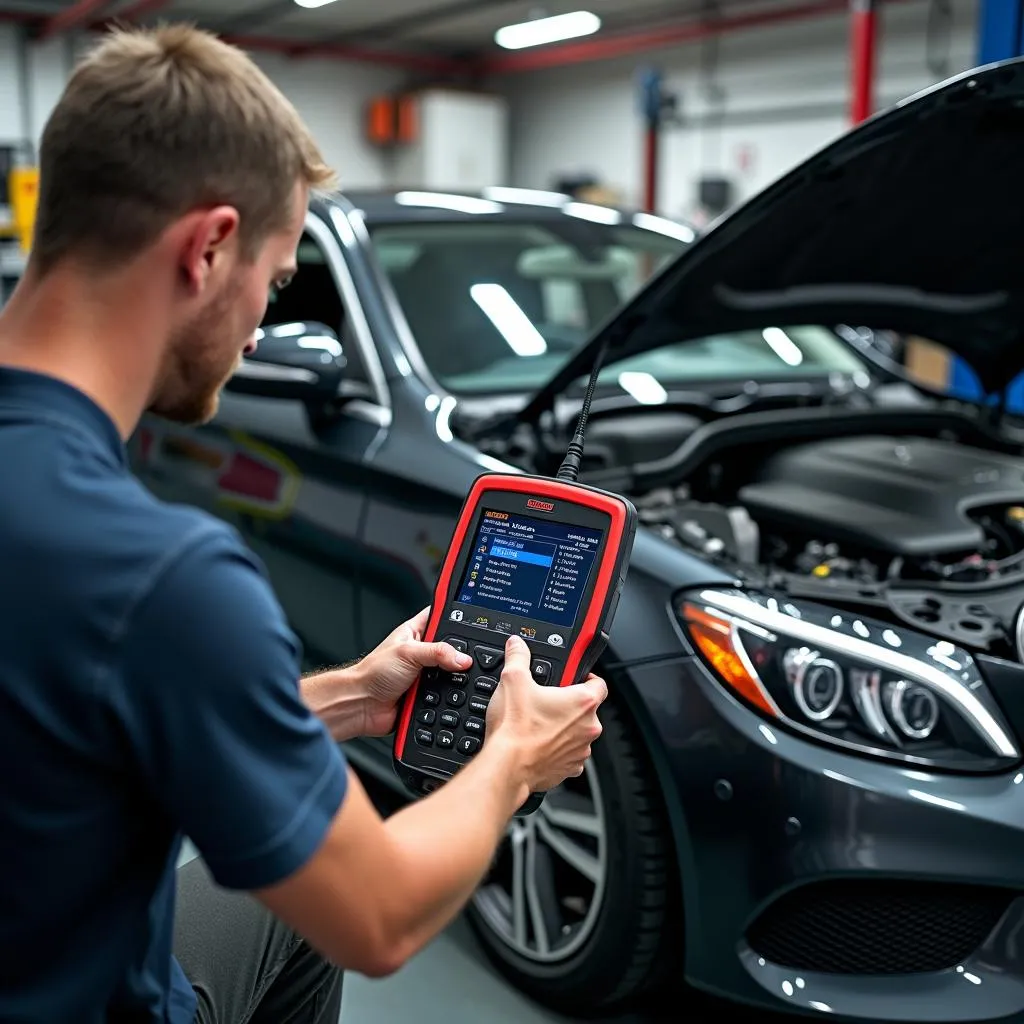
(499, 305)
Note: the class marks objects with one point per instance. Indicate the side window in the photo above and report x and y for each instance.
(313, 295)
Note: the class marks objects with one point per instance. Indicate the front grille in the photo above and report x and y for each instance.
(856, 927)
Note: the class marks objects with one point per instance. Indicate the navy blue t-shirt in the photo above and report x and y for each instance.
(148, 690)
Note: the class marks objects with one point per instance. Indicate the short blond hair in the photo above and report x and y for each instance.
(154, 123)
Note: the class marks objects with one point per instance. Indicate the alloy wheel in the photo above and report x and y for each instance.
(544, 892)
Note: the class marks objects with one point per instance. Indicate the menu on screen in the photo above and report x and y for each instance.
(529, 567)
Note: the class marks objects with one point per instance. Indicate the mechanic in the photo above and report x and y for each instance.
(150, 686)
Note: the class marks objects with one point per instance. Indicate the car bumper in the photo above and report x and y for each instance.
(834, 885)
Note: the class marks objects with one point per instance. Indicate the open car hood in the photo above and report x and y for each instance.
(912, 222)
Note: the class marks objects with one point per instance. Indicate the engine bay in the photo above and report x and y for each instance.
(906, 511)
(917, 529)
(871, 508)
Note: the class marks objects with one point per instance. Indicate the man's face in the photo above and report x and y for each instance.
(206, 349)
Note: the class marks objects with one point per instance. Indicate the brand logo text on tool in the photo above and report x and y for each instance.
(540, 506)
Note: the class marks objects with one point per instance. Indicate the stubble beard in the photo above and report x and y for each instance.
(194, 372)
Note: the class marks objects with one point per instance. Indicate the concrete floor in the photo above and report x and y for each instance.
(473, 992)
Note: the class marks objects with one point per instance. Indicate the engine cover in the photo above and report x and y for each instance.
(902, 496)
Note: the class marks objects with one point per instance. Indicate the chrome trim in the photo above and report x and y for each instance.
(272, 371)
(867, 697)
(403, 331)
(316, 226)
(965, 691)
(800, 664)
(369, 411)
(1019, 634)
(895, 696)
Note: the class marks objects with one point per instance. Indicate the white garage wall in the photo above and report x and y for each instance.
(330, 94)
(786, 94)
(12, 109)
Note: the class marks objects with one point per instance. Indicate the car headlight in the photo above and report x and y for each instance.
(850, 681)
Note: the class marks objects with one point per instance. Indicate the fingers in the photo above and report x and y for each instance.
(440, 654)
(593, 691)
(448, 658)
(418, 623)
(517, 658)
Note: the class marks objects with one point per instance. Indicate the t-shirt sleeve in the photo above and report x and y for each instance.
(211, 703)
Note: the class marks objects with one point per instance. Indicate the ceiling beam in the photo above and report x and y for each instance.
(79, 13)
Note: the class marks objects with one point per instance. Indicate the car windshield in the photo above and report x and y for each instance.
(500, 305)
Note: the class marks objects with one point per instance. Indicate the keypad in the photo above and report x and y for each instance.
(469, 745)
(488, 658)
(451, 707)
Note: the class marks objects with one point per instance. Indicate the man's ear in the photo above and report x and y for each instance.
(207, 238)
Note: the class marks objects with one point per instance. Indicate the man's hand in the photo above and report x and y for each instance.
(392, 667)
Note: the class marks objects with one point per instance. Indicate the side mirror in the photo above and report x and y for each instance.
(300, 361)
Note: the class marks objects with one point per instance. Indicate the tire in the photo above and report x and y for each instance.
(617, 944)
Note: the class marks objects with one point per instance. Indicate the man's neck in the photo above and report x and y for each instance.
(93, 335)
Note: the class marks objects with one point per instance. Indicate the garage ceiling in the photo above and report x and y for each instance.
(435, 28)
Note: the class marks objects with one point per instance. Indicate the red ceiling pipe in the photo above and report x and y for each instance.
(626, 44)
(652, 156)
(77, 14)
(863, 55)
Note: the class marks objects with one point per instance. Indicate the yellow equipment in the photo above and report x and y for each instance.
(23, 187)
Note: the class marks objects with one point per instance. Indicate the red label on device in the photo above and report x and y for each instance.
(540, 506)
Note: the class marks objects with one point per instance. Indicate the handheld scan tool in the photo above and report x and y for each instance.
(545, 558)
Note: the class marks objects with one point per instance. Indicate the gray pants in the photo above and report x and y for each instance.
(246, 966)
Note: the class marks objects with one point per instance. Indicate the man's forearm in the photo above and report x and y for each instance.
(339, 697)
(448, 841)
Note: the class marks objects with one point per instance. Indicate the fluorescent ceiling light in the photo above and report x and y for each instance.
(547, 30)
(512, 323)
(783, 346)
(644, 387)
(309, 4)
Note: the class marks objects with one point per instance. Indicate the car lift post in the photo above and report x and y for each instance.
(651, 102)
(863, 50)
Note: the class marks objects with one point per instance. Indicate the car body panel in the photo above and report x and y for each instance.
(767, 811)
